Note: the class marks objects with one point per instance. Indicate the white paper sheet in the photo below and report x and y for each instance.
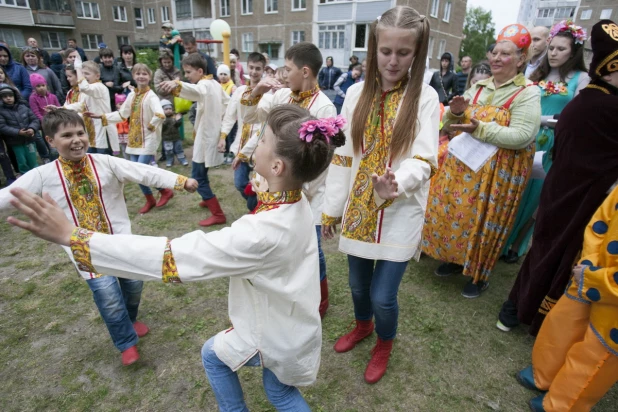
(472, 152)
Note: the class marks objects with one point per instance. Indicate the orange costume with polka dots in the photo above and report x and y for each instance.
(575, 357)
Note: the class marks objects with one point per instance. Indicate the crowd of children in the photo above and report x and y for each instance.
(303, 169)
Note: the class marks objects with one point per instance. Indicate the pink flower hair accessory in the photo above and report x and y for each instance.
(578, 32)
(327, 127)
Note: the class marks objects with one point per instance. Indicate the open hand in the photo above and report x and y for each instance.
(265, 85)
(191, 185)
(47, 220)
(385, 186)
(458, 105)
(167, 86)
(329, 231)
(467, 128)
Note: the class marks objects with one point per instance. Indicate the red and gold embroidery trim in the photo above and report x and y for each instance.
(136, 138)
(247, 100)
(151, 127)
(180, 182)
(169, 272)
(272, 200)
(329, 220)
(160, 115)
(176, 91)
(222, 136)
(434, 169)
(245, 135)
(243, 158)
(343, 161)
(80, 249)
(298, 97)
(104, 122)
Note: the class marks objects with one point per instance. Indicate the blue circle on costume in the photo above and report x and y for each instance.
(593, 294)
(586, 263)
(594, 268)
(599, 227)
(616, 206)
(612, 247)
(613, 335)
(616, 277)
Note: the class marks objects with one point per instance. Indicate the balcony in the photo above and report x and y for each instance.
(52, 13)
(15, 16)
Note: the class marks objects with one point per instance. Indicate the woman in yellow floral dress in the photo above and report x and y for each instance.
(378, 181)
(470, 214)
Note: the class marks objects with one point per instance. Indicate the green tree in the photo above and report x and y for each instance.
(479, 33)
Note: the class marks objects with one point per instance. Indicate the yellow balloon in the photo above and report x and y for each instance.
(217, 27)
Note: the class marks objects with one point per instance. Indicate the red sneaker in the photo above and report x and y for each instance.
(140, 328)
(380, 355)
(347, 342)
(130, 356)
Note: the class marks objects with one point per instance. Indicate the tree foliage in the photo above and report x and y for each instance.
(479, 31)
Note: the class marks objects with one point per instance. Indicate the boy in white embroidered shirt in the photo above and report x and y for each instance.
(270, 257)
(89, 189)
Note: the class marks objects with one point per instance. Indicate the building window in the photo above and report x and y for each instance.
(120, 13)
(272, 49)
(564, 12)
(246, 6)
(152, 18)
(91, 41)
(139, 18)
(544, 13)
(165, 14)
(447, 11)
(297, 37)
(435, 8)
(12, 37)
(586, 14)
(606, 14)
(271, 6)
(247, 42)
(441, 48)
(430, 48)
(299, 5)
(224, 8)
(53, 5)
(15, 3)
(360, 36)
(52, 40)
(87, 10)
(331, 37)
(122, 40)
(183, 9)
(203, 35)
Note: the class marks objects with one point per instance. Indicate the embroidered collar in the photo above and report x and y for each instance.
(399, 84)
(273, 198)
(74, 165)
(206, 77)
(300, 96)
(139, 92)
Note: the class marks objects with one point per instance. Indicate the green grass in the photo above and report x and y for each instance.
(57, 355)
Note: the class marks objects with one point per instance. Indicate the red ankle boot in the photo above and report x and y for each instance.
(379, 360)
(130, 356)
(347, 342)
(166, 195)
(324, 297)
(140, 328)
(217, 218)
(150, 203)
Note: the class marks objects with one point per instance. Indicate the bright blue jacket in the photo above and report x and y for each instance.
(18, 75)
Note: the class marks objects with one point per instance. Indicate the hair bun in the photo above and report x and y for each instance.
(338, 139)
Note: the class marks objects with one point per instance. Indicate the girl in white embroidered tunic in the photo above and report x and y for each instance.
(270, 256)
(143, 109)
(378, 182)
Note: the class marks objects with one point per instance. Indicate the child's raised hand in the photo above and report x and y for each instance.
(93, 115)
(191, 185)
(47, 220)
(265, 85)
(77, 63)
(167, 86)
(386, 186)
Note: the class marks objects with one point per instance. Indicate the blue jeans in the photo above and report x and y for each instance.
(118, 301)
(318, 229)
(241, 180)
(226, 386)
(143, 159)
(374, 292)
(100, 151)
(174, 148)
(200, 173)
(41, 146)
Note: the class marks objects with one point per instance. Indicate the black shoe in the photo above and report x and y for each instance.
(162, 158)
(448, 269)
(511, 257)
(472, 290)
(507, 318)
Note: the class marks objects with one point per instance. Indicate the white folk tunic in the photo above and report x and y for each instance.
(211, 104)
(109, 175)
(233, 115)
(400, 224)
(148, 118)
(94, 97)
(274, 291)
(319, 106)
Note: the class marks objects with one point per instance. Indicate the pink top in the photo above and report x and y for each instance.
(38, 103)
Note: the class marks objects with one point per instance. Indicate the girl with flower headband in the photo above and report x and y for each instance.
(470, 212)
(270, 257)
(377, 183)
(560, 77)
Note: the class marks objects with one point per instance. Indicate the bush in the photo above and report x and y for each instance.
(15, 53)
(149, 57)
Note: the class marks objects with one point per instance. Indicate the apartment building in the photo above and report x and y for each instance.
(546, 12)
(114, 23)
(591, 11)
